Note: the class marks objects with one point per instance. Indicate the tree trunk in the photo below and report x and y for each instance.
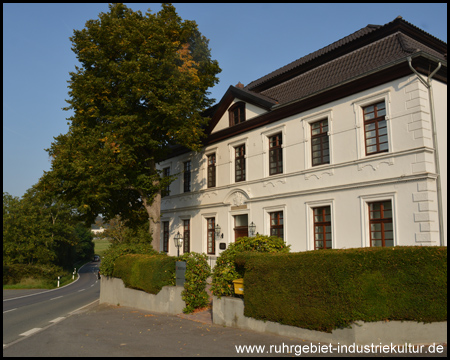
(154, 214)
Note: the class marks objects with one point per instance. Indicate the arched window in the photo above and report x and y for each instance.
(236, 113)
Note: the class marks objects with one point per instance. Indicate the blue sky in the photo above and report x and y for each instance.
(248, 40)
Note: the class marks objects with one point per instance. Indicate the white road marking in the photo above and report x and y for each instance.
(9, 310)
(56, 298)
(57, 319)
(81, 290)
(30, 332)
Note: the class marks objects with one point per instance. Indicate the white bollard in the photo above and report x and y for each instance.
(59, 277)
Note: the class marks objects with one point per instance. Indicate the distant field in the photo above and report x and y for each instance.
(100, 246)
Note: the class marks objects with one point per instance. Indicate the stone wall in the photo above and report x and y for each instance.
(168, 300)
(228, 311)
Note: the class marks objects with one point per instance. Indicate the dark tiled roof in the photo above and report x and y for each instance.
(315, 54)
(365, 50)
(356, 63)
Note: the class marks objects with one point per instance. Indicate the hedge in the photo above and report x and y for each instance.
(117, 250)
(146, 272)
(328, 289)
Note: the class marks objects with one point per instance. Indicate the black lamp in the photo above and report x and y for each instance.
(178, 242)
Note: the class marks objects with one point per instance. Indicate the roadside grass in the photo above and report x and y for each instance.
(100, 246)
(40, 283)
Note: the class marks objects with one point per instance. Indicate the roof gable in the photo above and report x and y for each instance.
(259, 103)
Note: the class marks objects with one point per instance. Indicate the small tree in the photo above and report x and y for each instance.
(225, 270)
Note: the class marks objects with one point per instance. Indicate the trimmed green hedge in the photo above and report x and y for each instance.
(117, 250)
(145, 272)
(328, 289)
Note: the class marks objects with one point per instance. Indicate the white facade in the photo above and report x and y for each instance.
(405, 175)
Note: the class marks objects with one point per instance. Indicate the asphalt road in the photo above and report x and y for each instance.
(28, 312)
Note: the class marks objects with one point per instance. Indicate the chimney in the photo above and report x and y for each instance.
(239, 85)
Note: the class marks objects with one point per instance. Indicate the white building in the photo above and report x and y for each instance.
(343, 148)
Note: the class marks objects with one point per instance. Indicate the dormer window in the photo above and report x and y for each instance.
(237, 113)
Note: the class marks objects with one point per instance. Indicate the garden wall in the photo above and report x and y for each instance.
(168, 300)
(229, 311)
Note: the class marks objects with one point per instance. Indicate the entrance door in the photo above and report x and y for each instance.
(240, 226)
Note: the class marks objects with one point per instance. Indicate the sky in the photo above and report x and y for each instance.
(248, 40)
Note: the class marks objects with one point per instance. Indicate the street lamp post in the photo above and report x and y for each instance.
(251, 229)
(178, 242)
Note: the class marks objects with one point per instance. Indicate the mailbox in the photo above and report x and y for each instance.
(180, 271)
(238, 286)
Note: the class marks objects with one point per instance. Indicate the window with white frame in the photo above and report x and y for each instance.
(375, 128)
(276, 224)
(320, 230)
(237, 150)
(378, 218)
(211, 170)
(320, 149)
(239, 163)
(211, 236)
(275, 221)
(165, 226)
(186, 236)
(322, 227)
(187, 176)
(317, 129)
(274, 142)
(166, 191)
(372, 124)
(276, 154)
(380, 223)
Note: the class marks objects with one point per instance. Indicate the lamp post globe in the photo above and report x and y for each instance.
(178, 242)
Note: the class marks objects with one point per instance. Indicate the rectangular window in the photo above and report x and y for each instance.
(211, 236)
(322, 228)
(212, 170)
(186, 236)
(276, 224)
(275, 154)
(380, 222)
(319, 143)
(165, 236)
(237, 113)
(240, 163)
(375, 128)
(187, 177)
(166, 191)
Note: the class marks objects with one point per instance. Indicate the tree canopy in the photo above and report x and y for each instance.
(42, 229)
(141, 88)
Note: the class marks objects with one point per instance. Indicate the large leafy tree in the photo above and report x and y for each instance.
(141, 87)
(39, 229)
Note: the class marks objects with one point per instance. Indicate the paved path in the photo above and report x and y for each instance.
(106, 330)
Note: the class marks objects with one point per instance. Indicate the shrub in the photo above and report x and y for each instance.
(13, 274)
(197, 271)
(114, 251)
(226, 271)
